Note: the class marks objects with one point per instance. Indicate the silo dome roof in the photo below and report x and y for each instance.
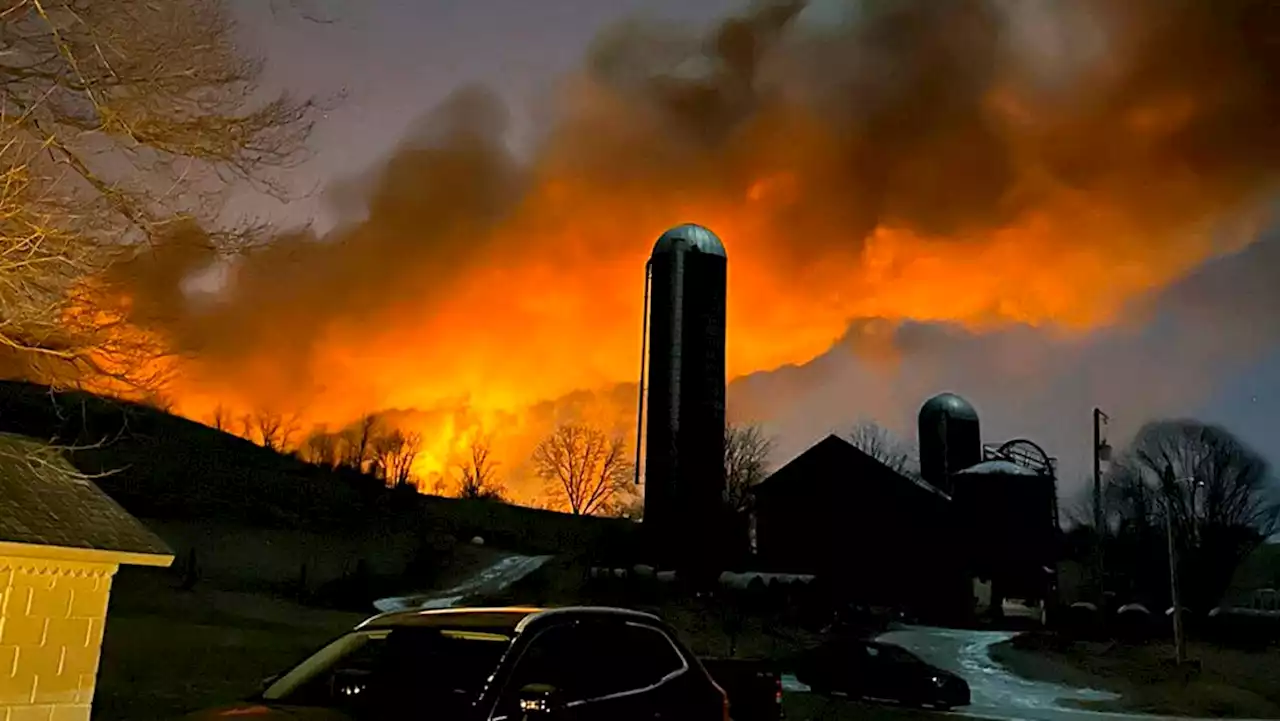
(950, 405)
(997, 467)
(692, 237)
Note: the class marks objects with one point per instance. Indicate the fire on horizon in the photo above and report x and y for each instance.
(931, 162)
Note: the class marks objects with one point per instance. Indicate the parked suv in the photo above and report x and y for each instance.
(497, 664)
(875, 670)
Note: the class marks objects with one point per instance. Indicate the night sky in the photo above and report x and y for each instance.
(395, 59)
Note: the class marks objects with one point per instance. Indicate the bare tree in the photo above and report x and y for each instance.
(477, 474)
(881, 444)
(274, 430)
(221, 418)
(122, 124)
(393, 455)
(1216, 492)
(1078, 510)
(247, 427)
(357, 444)
(439, 485)
(322, 448)
(584, 467)
(746, 463)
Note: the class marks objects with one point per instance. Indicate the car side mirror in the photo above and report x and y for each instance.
(538, 701)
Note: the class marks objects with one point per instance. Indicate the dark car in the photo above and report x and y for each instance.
(882, 671)
(575, 664)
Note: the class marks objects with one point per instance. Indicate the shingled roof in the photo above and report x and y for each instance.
(45, 501)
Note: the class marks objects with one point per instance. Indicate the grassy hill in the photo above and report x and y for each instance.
(158, 465)
(162, 466)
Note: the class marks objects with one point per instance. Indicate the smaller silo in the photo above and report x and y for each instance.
(1006, 516)
(950, 439)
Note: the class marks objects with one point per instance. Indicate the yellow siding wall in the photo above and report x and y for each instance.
(51, 621)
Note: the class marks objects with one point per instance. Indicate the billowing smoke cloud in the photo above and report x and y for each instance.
(963, 172)
(1195, 337)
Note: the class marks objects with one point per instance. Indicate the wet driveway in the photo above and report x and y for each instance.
(997, 693)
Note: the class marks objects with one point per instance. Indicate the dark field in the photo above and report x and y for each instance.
(1230, 683)
(167, 652)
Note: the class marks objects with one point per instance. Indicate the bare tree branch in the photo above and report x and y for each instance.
(1218, 494)
(882, 445)
(322, 448)
(746, 463)
(274, 430)
(477, 477)
(586, 469)
(394, 453)
(368, 446)
(120, 123)
(221, 418)
(356, 444)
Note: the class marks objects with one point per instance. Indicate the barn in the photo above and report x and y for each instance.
(885, 539)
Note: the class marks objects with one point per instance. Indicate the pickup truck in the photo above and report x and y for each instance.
(500, 664)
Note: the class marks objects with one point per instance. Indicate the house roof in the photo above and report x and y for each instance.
(47, 502)
(834, 451)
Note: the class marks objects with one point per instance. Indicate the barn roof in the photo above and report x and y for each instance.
(836, 452)
(47, 502)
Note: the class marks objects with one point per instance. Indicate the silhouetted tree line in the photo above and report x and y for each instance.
(369, 446)
(584, 470)
(883, 445)
(1218, 496)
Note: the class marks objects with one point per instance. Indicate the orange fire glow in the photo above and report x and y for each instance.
(520, 331)
(475, 298)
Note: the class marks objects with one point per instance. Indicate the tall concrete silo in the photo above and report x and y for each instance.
(950, 439)
(684, 446)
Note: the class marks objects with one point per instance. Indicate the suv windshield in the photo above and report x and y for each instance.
(393, 668)
(896, 654)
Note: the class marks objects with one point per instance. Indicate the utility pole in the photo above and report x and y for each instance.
(1101, 452)
(1179, 637)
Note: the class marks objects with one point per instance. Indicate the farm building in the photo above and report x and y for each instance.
(978, 514)
(835, 511)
